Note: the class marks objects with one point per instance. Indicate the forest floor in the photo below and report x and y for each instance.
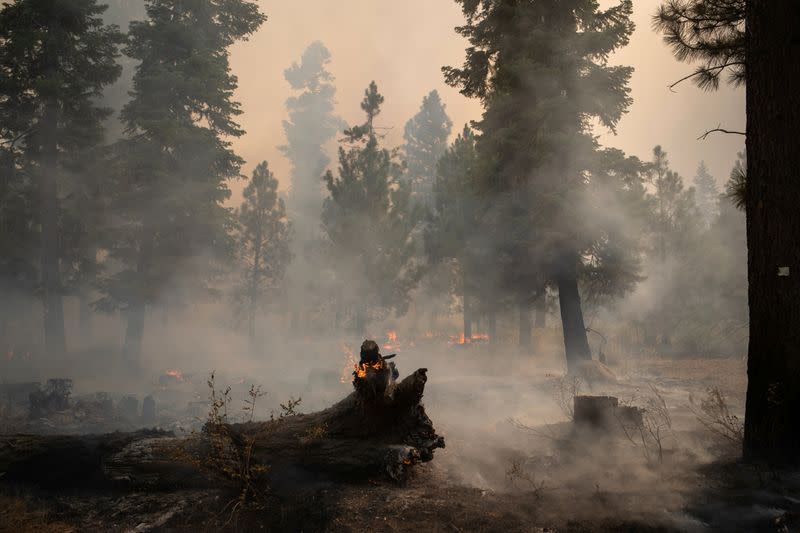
(513, 463)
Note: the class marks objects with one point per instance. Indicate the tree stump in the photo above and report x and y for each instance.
(595, 411)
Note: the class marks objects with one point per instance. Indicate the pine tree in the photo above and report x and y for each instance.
(370, 220)
(706, 195)
(455, 218)
(263, 244)
(541, 70)
(425, 138)
(56, 58)
(737, 181)
(676, 217)
(675, 227)
(708, 31)
(311, 125)
(173, 167)
(19, 244)
(772, 196)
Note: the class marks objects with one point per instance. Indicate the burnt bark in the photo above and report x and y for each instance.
(576, 344)
(772, 197)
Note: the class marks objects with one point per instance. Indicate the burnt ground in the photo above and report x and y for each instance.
(505, 469)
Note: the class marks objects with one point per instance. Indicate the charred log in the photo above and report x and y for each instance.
(379, 430)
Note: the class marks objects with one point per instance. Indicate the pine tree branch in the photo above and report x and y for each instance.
(719, 130)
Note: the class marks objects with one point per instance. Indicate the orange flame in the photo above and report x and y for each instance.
(475, 337)
(177, 374)
(361, 369)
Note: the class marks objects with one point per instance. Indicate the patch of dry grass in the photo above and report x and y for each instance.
(21, 516)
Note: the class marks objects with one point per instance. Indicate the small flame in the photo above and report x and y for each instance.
(361, 369)
(177, 374)
(475, 337)
(391, 343)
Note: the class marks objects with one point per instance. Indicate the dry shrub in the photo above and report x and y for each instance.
(655, 425)
(516, 473)
(713, 412)
(564, 391)
(231, 456)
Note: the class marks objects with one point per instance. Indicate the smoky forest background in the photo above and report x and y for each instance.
(494, 218)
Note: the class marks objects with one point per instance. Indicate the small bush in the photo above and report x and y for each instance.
(713, 412)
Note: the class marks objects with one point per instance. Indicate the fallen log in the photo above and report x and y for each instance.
(379, 430)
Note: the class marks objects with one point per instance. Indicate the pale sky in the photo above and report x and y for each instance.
(403, 45)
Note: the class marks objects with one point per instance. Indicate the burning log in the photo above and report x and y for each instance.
(379, 430)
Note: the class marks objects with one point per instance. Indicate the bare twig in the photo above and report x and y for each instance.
(719, 130)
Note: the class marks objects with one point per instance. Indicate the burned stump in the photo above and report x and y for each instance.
(379, 430)
(604, 412)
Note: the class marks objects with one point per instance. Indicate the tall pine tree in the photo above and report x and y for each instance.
(706, 195)
(541, 69)
(425, 138)
(263, 244)
(312, 123)
(456, 215)
(173, 167)
(309, 128)
(370, 220)
(55, 59)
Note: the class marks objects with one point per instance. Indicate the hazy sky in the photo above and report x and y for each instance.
(403, 45)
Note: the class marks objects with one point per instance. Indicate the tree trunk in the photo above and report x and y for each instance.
(379, 430)
(54, 335)
(492, 325)
(524, 325)
(84, 316)
(134, 332)
(772, 432)
(540, 318)
(576, 344)
(467, 310)
(255, 284)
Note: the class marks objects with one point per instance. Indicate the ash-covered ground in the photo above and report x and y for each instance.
(514, 459)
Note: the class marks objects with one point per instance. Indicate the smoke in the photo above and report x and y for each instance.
(497, 407)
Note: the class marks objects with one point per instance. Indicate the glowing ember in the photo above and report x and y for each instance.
(392, 336)
(476, 337)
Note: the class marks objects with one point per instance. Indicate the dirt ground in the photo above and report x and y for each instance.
(513, 463)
